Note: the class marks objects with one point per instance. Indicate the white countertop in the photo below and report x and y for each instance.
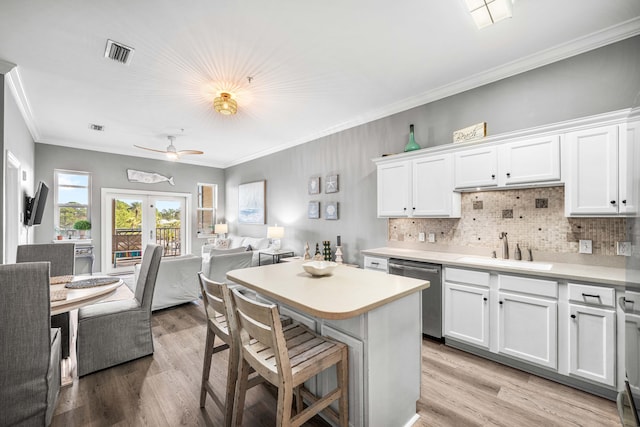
(578, 272)
(348, 292)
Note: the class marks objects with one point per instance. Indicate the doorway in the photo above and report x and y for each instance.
(132, 219)
(13, 209)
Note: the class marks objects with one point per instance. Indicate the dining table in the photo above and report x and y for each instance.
(65, 297)
(80, 297)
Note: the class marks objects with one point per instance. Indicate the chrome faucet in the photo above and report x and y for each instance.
(505, 245)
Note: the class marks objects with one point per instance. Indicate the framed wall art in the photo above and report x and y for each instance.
(314, 210)
(314, 185)
(331, 184)
(331, 210)
(251, 202)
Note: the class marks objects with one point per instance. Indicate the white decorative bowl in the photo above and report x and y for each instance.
(319, 268)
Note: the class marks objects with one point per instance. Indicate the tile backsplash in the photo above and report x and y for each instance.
(533, 218)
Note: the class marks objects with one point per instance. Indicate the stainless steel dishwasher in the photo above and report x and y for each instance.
(431, 297)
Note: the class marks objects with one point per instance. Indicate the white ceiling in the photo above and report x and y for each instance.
(317, 66)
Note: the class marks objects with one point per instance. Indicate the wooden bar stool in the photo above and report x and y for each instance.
(220, 323)
(287, 357)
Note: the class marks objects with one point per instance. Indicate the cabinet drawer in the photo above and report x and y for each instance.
(545, 288)
(375, 263)
(460, 275)
(594, 295)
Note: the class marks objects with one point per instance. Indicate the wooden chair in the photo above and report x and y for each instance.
(287, 357)
(218, 306)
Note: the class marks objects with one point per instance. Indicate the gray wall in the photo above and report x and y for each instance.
(109, 171)
(17, 139)
(599, 81)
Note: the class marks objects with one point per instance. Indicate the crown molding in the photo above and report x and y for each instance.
(6, 66)
(17, 89)
(562, 51)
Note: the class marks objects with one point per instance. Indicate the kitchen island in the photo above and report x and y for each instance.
(377, 315)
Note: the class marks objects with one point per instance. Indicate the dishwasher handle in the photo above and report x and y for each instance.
(411, 268)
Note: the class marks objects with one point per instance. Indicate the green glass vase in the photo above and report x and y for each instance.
(411, 145)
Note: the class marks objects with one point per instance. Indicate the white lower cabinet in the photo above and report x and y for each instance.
(632, 348)
(327, 379)
(528, 328)
(592, 343)
(466, 306)
(569, 329)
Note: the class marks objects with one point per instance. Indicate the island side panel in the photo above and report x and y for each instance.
(393, 362)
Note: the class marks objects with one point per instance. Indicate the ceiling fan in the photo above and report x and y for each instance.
(171, 151)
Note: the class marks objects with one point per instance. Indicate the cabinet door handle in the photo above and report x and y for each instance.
(375, 263)
(414, 208)
(613, 202)
(404, 209)
(590, 295)
(500, 302)
(485, 298)
(573, 316)
(508, 175)
(624, 202)
(493, 176)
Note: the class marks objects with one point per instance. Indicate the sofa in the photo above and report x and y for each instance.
(177, 281)
(217, 262)
(251, 244)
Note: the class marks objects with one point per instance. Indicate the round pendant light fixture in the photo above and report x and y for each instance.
(225, 105)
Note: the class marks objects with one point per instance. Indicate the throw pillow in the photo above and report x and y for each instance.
(221, 244)
(249, 248)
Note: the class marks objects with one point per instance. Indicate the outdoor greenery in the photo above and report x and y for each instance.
(69, 215)
(129, 216)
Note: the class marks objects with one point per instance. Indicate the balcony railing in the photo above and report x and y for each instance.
(126, 244)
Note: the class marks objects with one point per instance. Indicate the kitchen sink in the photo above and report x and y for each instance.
(527, 265)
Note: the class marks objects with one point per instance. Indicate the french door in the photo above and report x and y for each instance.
(132, 219)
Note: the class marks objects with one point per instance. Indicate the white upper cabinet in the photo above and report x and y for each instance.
(629, 169)
(433, 195)
(476, 168)
(394, 188)
(533, 160)
(419, 187)
(600, 174)
(530, 161)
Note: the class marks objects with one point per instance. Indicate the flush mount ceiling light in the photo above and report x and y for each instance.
(487, 12)
(225, 105)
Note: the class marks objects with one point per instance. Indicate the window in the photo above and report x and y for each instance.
(206, 209)
(72, 200)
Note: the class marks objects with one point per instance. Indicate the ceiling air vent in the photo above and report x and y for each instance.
(118, 52)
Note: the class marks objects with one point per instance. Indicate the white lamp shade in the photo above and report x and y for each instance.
(221, 229)
(275, 232)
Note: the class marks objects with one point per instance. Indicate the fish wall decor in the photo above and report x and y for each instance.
(147, 177)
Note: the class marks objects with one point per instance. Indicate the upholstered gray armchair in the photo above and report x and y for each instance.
(62, 257)
(115, 332)
(30, 349)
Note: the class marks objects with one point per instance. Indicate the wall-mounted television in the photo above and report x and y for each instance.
(34, 206)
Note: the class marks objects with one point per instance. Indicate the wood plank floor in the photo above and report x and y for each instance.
(458, 389)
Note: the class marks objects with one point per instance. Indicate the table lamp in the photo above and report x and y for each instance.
(275, 234)
(221, 229)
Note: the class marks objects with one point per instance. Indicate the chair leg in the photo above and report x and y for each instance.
(241, 391)
(285, 401)
(298, 399)
(342, 370)
(206, 367)
(232, 379)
